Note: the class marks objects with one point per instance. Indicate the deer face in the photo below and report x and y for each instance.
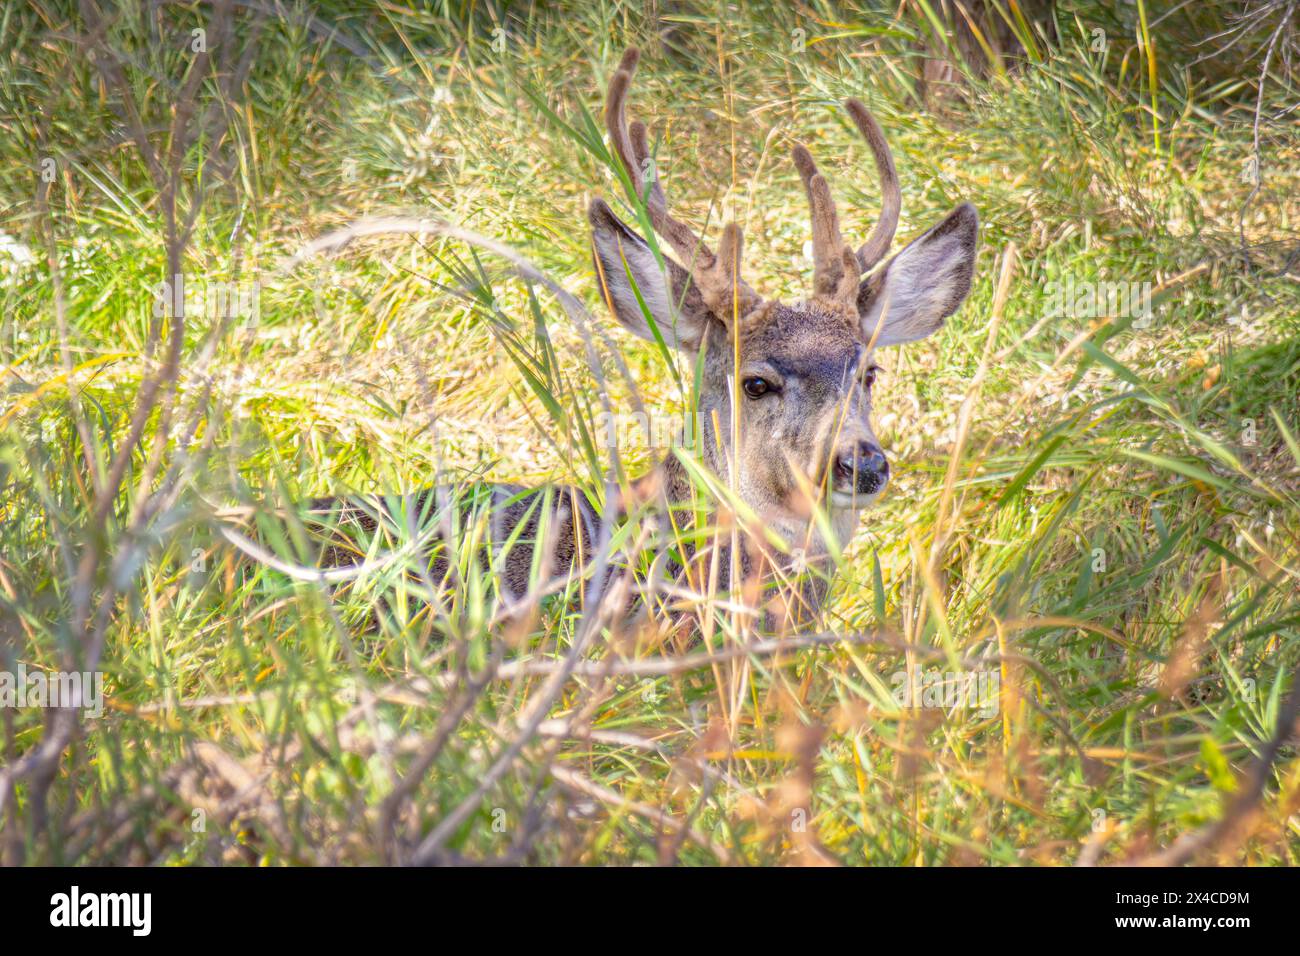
(795, 380)
(804, 401)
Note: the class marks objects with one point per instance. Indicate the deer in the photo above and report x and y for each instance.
(785, 396)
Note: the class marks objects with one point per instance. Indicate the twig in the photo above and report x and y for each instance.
(576, 781)
(1190, 845)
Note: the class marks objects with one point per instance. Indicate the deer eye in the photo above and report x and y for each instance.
(756, 387)
(869, 376)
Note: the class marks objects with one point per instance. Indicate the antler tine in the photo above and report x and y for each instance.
(730, 249)
(891, 196)
(641, 153)
(828, 246)
(633, 152)
(716, 276)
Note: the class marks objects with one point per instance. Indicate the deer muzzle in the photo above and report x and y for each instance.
(860, 469)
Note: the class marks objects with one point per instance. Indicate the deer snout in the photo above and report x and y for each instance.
(861, 469)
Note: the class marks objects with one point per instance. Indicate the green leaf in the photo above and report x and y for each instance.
(1216, 767)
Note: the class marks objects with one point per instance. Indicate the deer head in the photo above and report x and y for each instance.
(805, 371)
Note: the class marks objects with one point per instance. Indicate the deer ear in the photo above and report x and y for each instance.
(625, 267)
(911, 295)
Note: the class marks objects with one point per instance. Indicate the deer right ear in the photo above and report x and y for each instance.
(909, 297)
(626, 268)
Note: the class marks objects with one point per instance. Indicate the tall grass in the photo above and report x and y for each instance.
(1094, 513)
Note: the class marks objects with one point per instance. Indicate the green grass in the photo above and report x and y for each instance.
(1118, 543)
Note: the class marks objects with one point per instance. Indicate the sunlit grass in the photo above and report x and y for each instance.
(1125, 495)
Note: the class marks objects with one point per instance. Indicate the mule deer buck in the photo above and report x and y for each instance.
(797, 377)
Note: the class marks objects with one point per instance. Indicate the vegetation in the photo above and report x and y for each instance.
(1095, 511)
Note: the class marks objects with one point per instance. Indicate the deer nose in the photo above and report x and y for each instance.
(862, 468)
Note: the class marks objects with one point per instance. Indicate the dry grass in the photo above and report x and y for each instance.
(255, 717)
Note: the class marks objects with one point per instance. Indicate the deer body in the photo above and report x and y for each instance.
(797, 377)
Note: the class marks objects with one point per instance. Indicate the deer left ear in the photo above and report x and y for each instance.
(637, 290)
(909, 297)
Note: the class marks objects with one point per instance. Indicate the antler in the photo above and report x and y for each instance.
(716, 276)
(891, 196)
(837, 269)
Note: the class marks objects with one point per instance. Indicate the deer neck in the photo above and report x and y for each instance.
(667, 484)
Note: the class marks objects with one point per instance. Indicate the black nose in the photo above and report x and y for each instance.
(863, 469)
